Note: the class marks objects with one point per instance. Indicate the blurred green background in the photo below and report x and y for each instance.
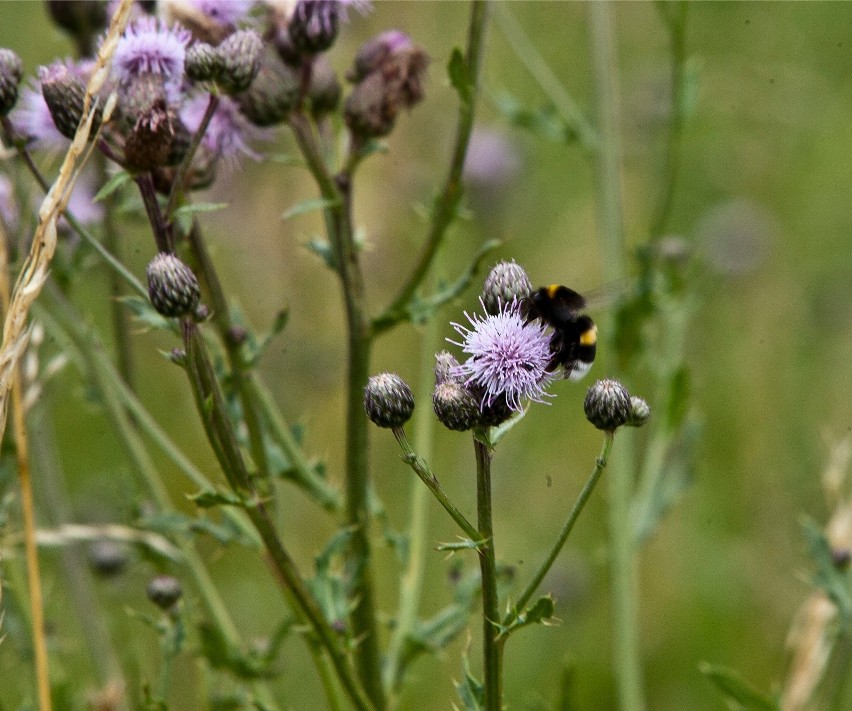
(763, 197)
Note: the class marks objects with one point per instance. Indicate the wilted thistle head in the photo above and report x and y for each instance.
(505, 283)
(388, 400)
(508, 357)
(607, 405)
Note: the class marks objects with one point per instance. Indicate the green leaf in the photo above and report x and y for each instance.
(539, 613)
(459, 75)
(542, 121)
(736, 690)
(466, 544)
(111, 185)
(470, 691)
(329, 588)
(172, 523)
(207, 499)
(255, 346)
(309, 205)
(146, 314)
(324, 251)
(827, 576)
(185, 214)
(245, 665)
(679, 398)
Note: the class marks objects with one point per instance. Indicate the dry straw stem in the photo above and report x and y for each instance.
(813, 633)
(35, 269)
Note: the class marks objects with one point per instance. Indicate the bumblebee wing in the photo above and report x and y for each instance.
(606, 295)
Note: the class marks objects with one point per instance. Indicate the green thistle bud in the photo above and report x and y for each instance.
(203, 62)
(240, 57)
(455, 407)
(108, 557)
(172, 287)
(64, 93)
(273, 93)
(164, 591)
(314, 25)
(505, 283)
(640, 413)
(11, 71)
(607, 405)
(388, 400)
(324, 90)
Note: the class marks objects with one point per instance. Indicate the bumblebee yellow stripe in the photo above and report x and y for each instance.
(589, 337)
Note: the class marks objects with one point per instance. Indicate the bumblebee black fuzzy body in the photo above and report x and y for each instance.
(575, 336)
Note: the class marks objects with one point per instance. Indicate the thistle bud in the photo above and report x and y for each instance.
(324, 89)
(376, 51)
(495, 412)
(314, 25)
(388, 400)
(640, 413)
(203, 62)
(64, 93)
(505, 283)
(172, 287)
(607, 405)
(455, 407)
(240, 56)
(272, 94)
(11, 70)
(82, 19)
(446, 369)
(164, 591)
(365, 112)
(107, 557)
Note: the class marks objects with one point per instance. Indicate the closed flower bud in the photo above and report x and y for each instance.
(365, 112)
(607, 405)
(324, 90)
(388, 400)
(373, 54)
(314, 25)
(108, 557)
(455, 407)
(82, 19)
(639, 412)
(203, 62)
(164, 591)
(446, 369)
(505, 283)
(64, 94)
(495, 412)
(172, 287)
(240, 53)
(11, 70)
(273, 93)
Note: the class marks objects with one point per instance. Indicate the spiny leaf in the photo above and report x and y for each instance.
(207, 499)
(540, 612)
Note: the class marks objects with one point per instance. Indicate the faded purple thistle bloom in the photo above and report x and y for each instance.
(149, 47)
(82, 203)
(222, 12)
(31, 119)
(508, 357)
(229, 135)
(9, 211)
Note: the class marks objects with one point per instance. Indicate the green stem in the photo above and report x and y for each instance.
(492, 649)
(427, 477)
(239, 371)
(623, 564)
(446, 204)
(211, 408)
(576, 510)
(411, 584)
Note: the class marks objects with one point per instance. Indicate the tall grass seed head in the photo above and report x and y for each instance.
(11, 71)
(505, 283)
(607, 405)
(172, 286)
(508, 357)
(388, 400)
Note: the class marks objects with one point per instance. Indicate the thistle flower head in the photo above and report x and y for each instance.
(507, 281)
(607, 405)
(150, 47)
(313, 24)
(11, 71)
(508, 357)
(388, 400)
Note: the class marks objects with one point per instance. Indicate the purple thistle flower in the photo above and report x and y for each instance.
(149, 47)
(9, 211)
(222, 12)
(508, 357)
(229, 135)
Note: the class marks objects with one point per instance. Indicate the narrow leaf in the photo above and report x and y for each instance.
(207, 499)
(111, 185)
(736, 690)
(309, 205)
(459, 75)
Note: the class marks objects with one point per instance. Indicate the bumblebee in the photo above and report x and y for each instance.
(575, 336)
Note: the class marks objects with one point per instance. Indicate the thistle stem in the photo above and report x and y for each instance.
(492, 649)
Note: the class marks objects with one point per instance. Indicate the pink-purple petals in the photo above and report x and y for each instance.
(150, 47)
(508, 357)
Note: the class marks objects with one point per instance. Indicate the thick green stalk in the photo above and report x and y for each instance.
(211, 408)
(492, 649)
(623, 564)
